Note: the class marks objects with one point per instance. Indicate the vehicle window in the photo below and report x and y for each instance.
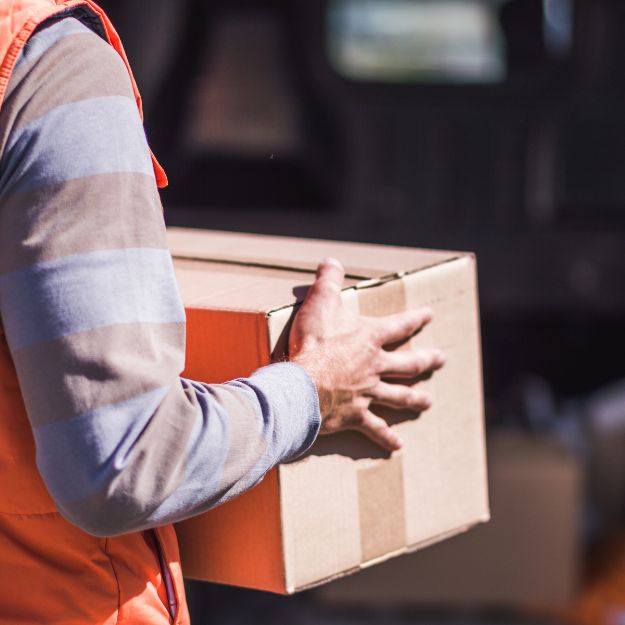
(444, 41)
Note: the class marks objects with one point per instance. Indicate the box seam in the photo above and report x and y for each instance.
(374, 282)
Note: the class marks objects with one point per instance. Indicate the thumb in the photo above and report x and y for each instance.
(328, 281)
(320, 305)
(327, 286)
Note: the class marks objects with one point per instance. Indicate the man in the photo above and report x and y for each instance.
(102, 444)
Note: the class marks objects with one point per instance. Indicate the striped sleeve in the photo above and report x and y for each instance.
(92, 315)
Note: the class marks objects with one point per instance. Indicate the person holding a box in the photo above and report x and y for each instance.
(102, 444)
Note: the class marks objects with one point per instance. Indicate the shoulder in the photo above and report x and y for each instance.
(63, 64)
(65, 60)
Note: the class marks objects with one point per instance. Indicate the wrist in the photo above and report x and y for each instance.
(310, 364)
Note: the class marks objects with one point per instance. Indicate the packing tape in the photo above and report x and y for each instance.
(381, 498)
(381, 507)
(384, 299)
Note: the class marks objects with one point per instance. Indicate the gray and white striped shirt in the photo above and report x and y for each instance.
(91, 312)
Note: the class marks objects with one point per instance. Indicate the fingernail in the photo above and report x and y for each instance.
(440, 357)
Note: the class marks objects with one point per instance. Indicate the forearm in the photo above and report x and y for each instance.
(175, 452)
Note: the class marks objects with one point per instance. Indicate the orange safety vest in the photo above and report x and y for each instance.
(51, 571)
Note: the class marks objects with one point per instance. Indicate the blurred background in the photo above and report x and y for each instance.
(496, 126)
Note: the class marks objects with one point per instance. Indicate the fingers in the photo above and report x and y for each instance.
(410, 364)
(379, 431)
(401, 326)
(401, 397)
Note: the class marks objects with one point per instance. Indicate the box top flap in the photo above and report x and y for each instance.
(252, 289)
(361, 261)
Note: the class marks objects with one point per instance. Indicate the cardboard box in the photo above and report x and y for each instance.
(529, 554)
(346, 504)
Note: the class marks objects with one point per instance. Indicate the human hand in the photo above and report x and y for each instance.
(344, 354)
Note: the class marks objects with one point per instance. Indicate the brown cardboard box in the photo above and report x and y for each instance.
(529, 554)
(345, 505)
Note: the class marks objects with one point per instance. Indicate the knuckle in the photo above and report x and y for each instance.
(315, 291)
(408, 325)
(328, 288)
(372, 387)
(421, 400)
(360, 413)
(404, 326)
(377, 333)
(407, 399)
(373, 390)
(418, 363)
(379, 361)
(372, 349)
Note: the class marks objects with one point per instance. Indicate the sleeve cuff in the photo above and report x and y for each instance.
(293, 402)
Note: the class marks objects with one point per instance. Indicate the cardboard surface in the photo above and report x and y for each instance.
(301, 255)
(529, 554)
(346, 504)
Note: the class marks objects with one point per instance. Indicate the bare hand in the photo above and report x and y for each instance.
(345, 356)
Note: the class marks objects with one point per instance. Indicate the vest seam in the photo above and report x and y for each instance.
(34, 19)
(8, 63)
(119, 590)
